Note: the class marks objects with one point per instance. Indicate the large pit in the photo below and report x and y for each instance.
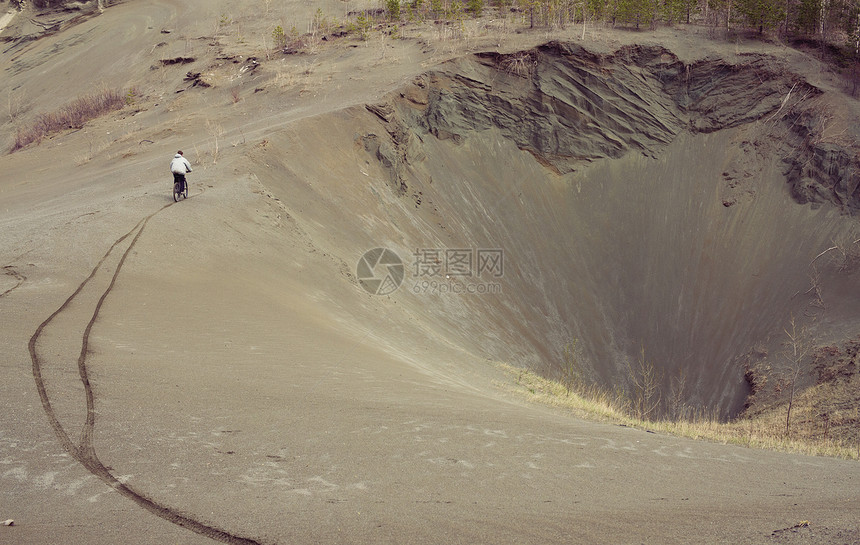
(643, 205)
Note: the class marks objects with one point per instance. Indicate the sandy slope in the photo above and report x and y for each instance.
(241, 380)
(6, 18)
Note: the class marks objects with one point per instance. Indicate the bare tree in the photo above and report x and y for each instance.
(645, 379)
(677, 404)
(796, 349)
(571, 369)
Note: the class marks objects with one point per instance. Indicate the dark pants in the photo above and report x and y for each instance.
(179, 178)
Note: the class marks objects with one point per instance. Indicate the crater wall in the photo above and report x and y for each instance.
(645, 208)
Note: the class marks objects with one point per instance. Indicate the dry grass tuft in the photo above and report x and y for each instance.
(765, 431)
(71, 116)
(521, 64)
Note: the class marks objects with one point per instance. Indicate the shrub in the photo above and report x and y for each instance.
(71, 116)
(392, 8)
(475, 7)
(279, 37)
(363, 25)
(131, 96)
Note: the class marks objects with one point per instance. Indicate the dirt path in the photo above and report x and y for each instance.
(84, 451)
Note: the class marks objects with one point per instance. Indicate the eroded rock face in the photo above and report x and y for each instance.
(42, 4)
(819, 171)
(568, 106)
(74, 5)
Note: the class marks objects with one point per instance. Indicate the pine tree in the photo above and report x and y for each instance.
(638, 12)
(677, 11)
(806, 17)
(760, 14)
(392, 8)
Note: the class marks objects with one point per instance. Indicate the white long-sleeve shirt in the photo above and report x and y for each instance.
(179, 165)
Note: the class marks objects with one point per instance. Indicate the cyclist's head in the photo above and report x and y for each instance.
(179, 152)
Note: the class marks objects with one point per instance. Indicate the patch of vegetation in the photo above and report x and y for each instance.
(131, 96)
(593, 403)
(829, 26)
(785, 409)
(392, 8)
(827, 411)
(279, 37)
(72, 116)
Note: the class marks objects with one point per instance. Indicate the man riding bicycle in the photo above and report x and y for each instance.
(179, 166)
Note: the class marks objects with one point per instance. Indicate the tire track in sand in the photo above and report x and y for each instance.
(9, 270)
(83, 451)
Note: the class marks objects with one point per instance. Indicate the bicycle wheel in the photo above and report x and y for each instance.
(177, 191)
(185, 190)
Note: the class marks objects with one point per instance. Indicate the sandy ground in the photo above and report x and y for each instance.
(6, 18)
(238, 384)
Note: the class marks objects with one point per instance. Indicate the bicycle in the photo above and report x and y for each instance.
(180, 190)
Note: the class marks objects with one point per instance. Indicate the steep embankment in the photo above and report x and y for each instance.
(640, 204)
